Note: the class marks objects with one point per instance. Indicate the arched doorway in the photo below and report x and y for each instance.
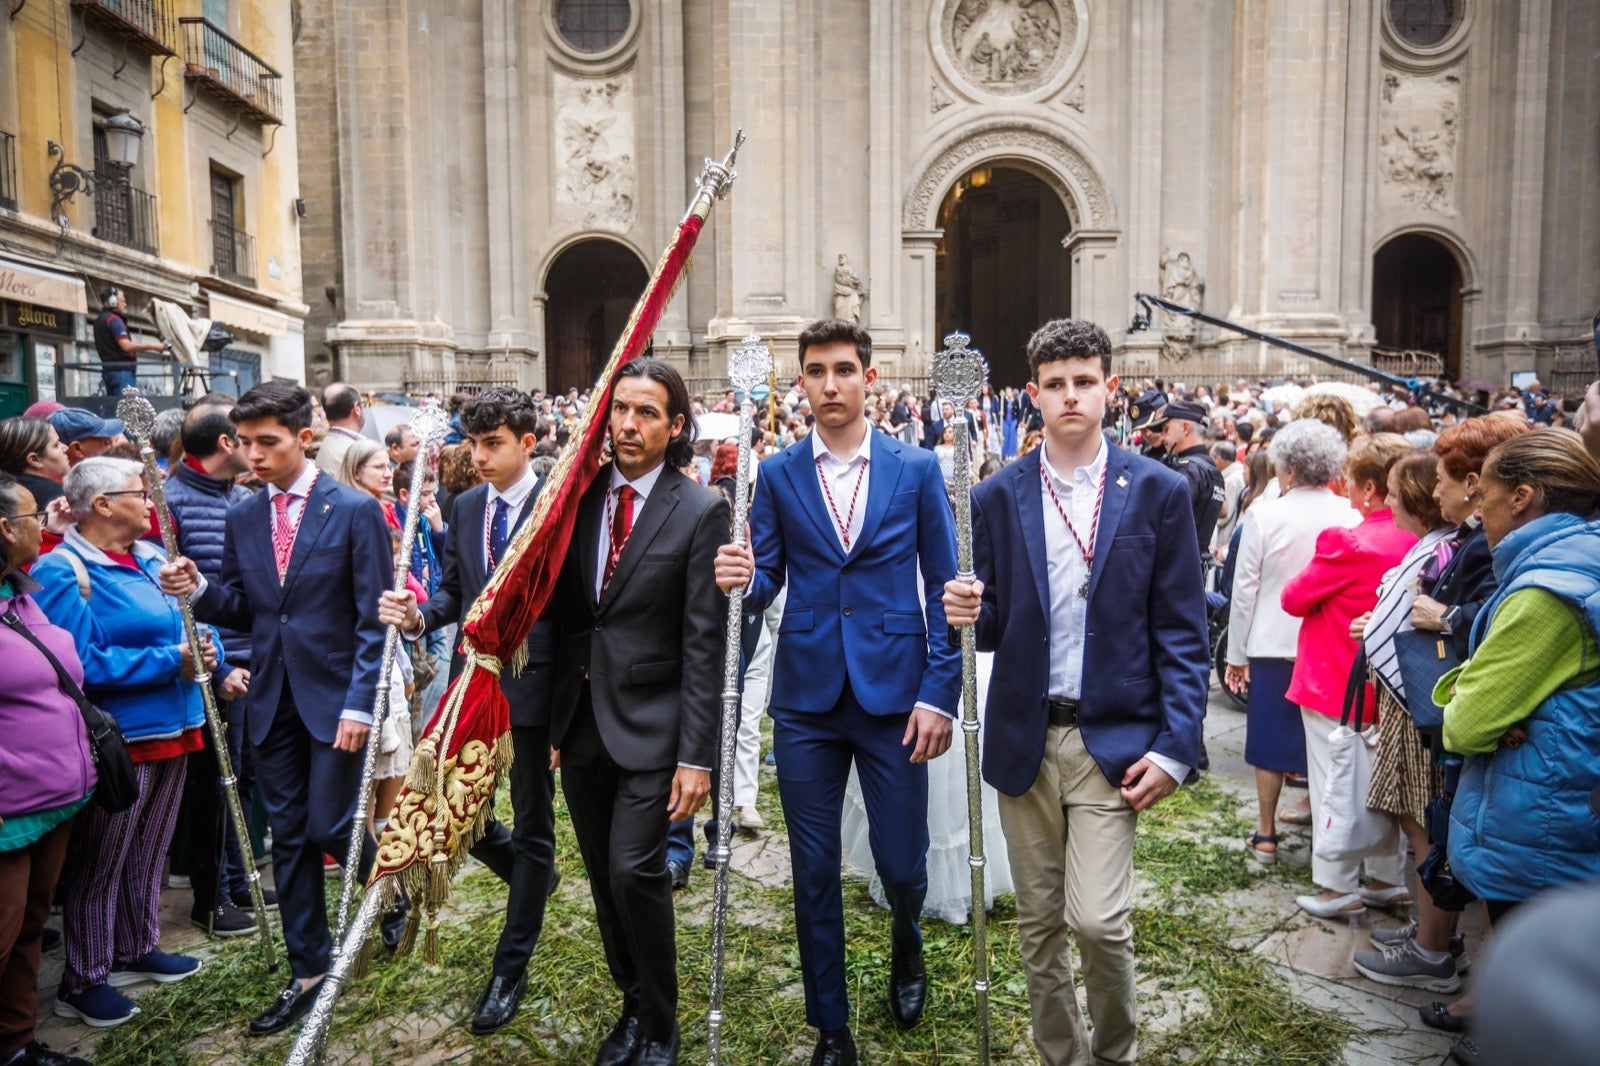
(1001, 269)
(1416, 298)
(589, 293)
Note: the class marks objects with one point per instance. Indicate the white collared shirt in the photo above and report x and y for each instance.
(838, 476)
(516, 497)
(1069, 612)
(645, 484)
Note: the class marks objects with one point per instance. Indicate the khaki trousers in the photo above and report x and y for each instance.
(1070, 841)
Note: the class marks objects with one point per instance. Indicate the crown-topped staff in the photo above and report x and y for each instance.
(429, 426)
(139, 419)
(749, 365)
(959, 372)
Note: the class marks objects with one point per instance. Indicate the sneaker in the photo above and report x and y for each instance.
(1399, 964)
(157, 966)
(178, 881)
(269, 899)
(101, 1006)
(750, 819)
(37, 1054)
(1383, 938)
(227, 920)
(331, 867)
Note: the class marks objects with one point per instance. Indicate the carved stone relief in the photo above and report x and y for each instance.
(596, 177)
(1008, 47)
(1417, 134)
(1088, 202)
(1074, 98)
(848, 291)
(1184, 286)
(938, 99)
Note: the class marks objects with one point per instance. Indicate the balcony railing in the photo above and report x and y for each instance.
(122, 214)
(8, 171)
(144, 24)
(233, 253)
(225, 70)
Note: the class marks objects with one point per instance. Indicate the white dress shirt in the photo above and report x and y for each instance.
(1069, 612)
(837, 475)
(645, 484)
(1278, 539)
(516, 497)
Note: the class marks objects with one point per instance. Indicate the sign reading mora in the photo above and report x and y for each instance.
(31, 319)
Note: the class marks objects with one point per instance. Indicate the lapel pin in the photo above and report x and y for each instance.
(1122, 482)
(327, 507)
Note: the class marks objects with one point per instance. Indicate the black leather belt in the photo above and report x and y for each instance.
(1063, 712)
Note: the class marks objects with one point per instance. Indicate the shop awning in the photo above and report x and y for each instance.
(252, 318)
(29, 282)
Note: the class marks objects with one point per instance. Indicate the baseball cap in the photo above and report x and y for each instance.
(75, 423)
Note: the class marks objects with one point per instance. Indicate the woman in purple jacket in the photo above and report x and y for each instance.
(46, 776)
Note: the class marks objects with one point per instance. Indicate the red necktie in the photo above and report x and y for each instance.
(621, 529)
(282, 532)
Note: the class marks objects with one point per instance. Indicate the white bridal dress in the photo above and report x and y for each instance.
(949, 875)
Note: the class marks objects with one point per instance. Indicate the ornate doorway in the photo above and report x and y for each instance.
(1001, 269)
(589, 292)
(1416, 298)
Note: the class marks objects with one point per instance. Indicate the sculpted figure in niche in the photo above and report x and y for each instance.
(1183, 285)
(847, 292)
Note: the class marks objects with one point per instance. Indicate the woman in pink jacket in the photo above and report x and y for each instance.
(1339, 583)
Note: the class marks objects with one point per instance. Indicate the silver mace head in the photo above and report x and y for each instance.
(430, 425)
(959, 371)
(749, 363)
(717, 177)
(137, 414)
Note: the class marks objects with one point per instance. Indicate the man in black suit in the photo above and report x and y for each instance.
(639, 624)
(500, 425)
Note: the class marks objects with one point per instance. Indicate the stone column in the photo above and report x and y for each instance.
(919, 306)
(1100, 290)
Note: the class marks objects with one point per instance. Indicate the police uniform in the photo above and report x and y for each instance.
(1206, 491)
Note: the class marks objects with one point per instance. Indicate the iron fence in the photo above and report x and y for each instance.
(122, 214)
(223, 68)
(149, 23)
(233, 253)
(8, 171)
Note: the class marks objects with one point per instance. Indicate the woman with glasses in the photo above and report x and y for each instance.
(366, 467)
(101, 586)
(46, 776)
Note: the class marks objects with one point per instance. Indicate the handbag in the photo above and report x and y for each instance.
(1348, 829)
(1422, 659)
(119, 781)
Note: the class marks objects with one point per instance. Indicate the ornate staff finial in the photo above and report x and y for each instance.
(430, 424)
(959, 371)
(749, 363)
(717, 177)
(137, 414)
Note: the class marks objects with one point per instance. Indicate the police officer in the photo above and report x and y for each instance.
(1144, 418)
(118, 351)
(1181, 425)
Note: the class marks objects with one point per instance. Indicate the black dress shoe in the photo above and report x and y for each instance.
(908, 988)
(501, 998)
(680, 875)
(620, 1046)
(292, 1002)
(837, 1048)
(392, 924)
(658, 1052)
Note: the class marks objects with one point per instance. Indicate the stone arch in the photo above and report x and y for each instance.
(1423, 292)
(1457, 247)
(1038, 147)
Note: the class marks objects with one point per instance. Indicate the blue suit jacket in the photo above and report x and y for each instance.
(1146, 659)
(319, 630)
(858, 613)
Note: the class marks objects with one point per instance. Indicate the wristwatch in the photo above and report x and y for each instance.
(1450, 618)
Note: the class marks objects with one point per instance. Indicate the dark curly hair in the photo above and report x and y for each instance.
(680, 449)
(1068, 338)
(493, 408)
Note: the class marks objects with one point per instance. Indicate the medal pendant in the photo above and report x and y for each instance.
(1083, 589)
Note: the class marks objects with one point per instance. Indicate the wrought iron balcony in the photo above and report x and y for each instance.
(122, 214)
(8, 171)
(233, 253)
(144, 24)
(227, 71)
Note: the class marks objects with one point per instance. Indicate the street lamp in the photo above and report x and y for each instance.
(123, 134)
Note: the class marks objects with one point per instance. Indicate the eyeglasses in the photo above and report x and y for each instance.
(130, 492)
(37, 516)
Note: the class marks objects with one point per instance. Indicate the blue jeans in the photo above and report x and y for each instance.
(117, 380)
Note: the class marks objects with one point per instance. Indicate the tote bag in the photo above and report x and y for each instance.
(1348, 829)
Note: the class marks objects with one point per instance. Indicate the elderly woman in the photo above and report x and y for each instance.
(366, 467)
(1522, 707)
(1277, 538)
(101, 587)
(46, 776)
(1338, 584)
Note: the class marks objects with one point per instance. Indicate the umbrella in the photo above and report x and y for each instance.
(714, 425)
(1288, 395)
(1361, 398)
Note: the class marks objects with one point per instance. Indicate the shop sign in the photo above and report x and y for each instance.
(29, 318)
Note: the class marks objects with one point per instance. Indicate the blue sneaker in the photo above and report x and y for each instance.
(101, 1006)
(156, 966)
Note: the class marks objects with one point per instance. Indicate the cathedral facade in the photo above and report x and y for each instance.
(488, 182)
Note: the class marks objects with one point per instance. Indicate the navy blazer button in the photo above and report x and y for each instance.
(284, 619)
(847, 612)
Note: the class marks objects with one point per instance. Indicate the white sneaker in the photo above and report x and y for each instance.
(750, 818)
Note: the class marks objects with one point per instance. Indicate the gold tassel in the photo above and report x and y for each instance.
(438, 882)
(519, 660)
(430, 942)
(408, 936)
(363, 964)
(424, 772)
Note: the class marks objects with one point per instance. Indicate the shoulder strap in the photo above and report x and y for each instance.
(68, 685)
(75, 561)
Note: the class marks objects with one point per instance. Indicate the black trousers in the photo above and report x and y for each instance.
(620, 819)
(531, 845)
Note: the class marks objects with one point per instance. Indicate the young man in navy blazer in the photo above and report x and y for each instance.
(303, 565)
(1086, 553)
(852, 520)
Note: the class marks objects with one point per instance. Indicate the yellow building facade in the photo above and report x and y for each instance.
(203, 212)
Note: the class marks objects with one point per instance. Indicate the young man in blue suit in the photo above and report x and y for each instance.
(1088, 551)
(304, 563)
(852, 521)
